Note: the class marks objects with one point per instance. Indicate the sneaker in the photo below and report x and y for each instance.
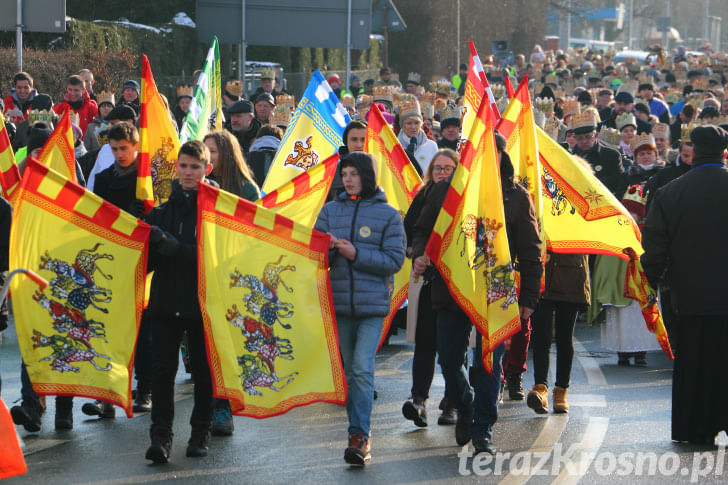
(199, 440)
(99, 408)
(142, 402)
(538, 399)
(515, 390)
(161, 445)
(64, 412)
(449, 414)
(27, 415)
(463, 426)
(222, 420)
(358, 453)
(483, 445)
(414, 409)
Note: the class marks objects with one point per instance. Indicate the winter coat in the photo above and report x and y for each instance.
(662, 178)
(424, 152)
(16, 110)
(684, 239)
(521, 227)
(567, 279)
(363, 287)
(86, 108)
(246, 138)
(606, 163)
(174, 285)
(120, 191)
(634, 175)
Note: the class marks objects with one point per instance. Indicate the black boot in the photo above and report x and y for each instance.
(449, 414)
(415, 410)
(64, 412)
(27, 415)
(161, 445)
(197, 445)
(515, 389)
(142, 399)
(99, 408)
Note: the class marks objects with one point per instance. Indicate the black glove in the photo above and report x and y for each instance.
(169, 245)
(136, 208)
(155, 235)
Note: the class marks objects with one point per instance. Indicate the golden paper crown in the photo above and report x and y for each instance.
(383, 93)
(287, 100)
(685, 131)
(409, 107)
(413, 77)
(441, 86)
(661, 129)
(268, 73)
(583, 120)
(625, 119)
(704, 61)
(363, 101)
(696, 99)
(35, 115)
(673, 95)
(347, 101)
(74, 117)
(185, 91)
(551, 127)
(635, 194)
(428, 97)
(450, 111)
(700, 83)
(609, 136)
(545, 105)
(498, 90)
(234, 87)
(440, 104)
(280, 116)
(105, 97)
(551, 79)
(643, 140)
(643, 78)
(539, 118)
(428, 109)
(571, 106)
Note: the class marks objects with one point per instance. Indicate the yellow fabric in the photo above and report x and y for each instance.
(58, 152)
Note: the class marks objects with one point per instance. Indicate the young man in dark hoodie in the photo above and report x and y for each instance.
(174, 307)
(478, 405)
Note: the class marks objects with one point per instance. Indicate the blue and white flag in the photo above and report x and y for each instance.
(313, 135)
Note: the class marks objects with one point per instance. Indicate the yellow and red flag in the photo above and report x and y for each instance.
(267, 308)
(158, 144)
(476, 86)
(58, 152)
(9, 172)
(469, 244)
(77, 337)
(302, 198)
(398, 178)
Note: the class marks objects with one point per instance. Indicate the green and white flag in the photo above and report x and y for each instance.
(206, 107)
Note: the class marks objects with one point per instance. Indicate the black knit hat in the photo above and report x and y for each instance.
(39, 134)
(123, 112)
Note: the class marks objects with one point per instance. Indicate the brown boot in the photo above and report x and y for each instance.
(560, 404)
(538, 399)
(358, 453)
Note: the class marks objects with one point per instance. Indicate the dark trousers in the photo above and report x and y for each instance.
(453, 334)
(515, 361)
(28, 393)
(487, 391)
(423, 363)
(144, 355)
(166, 338)
(550, 315)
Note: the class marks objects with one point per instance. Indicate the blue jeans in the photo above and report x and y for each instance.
(487, 392)
(453, 333)
(358, 341)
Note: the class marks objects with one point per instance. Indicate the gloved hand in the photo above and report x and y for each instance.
(136, 208)
(156, 234)
(169, 245)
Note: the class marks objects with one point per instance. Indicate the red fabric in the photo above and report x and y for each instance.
(86, 114)
(10, 105)
(517, 354)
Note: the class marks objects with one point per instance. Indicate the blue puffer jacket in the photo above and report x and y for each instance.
(363, 287)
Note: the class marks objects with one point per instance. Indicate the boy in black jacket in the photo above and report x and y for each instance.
(174, 307)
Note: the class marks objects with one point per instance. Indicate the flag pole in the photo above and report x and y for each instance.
(348, 45)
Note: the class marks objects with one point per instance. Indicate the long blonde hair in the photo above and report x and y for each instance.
(233, 169)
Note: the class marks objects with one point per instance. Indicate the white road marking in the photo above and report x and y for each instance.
(585, 452)
(594, 375)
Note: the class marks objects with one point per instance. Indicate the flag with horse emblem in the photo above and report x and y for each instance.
(267, 308)
(77, 336)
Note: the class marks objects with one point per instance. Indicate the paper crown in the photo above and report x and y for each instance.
(363, 101)
(685, 131)
(441, 86)
(268, 73)
(571, 106)
(36, 115)
(409, 107)
(609, 136)
(643, 140)
(413, 77)
(440, 104)
(700, 83)
(347, 101)
(185, 91)
(280, 116)
(583, 120)
(428, 97)
(105, 97)
(450, 111)
(498, 90)
(428, 109)
(551, 79)
(696, 99)
(635, 200)
(545, 105)
(234, 87)
(383, 93)
(673, 95)
(625, 119)
(286, 100)
(551, 127)
(661, 129)
(539, 118)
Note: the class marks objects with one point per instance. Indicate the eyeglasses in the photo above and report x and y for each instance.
(445, 169)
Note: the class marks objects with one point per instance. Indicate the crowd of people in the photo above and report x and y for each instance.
(642, 128)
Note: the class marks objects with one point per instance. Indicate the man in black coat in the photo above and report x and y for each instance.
(606, 162)
(684, 240)
(243, 123)
(624, 103)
